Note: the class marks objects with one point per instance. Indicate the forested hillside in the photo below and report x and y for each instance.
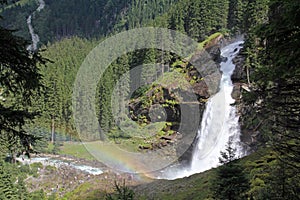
(36, 88)
(87, 19)
(99, 18)
(185, 16)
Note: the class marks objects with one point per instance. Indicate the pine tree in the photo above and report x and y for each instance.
(11, 187)
(20, 78)
(277, 77)
(230, 182)
(235, 15)
(121, 88)
(149, 74)
(195, 22)
(58, 77)
(176, 20)
(106, 86)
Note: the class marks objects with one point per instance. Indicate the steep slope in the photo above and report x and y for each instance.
(82, 18)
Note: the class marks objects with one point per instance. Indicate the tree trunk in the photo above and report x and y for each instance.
(52, 129)
(248, 76)
(13, 158)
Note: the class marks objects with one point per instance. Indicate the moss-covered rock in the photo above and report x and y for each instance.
(183, 87)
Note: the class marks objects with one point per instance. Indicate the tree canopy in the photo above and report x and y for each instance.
(19, 80)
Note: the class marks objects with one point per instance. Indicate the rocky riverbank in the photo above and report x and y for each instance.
(58, 174)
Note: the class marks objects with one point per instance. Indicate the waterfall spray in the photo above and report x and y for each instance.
(219, 124)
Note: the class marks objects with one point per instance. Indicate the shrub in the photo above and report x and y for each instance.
(122, 192)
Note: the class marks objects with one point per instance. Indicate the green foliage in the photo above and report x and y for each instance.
(208, 40)
(276, 78)
(11, 182)
(122, 192)
(58, 76)
(235, 15)
(40, 145)
(38, 195)
(272, 57)
(20, 78)
(16, 20)
(230, 182)
(195, 18)
(56, 147)
(140, 91)
(271, 178)
(62, 19)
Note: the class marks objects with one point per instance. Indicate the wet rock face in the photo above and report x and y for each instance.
(207, 62)
(201, 89)
(238, 77)
(215, 53)
(214, 49)
(239, 72)
(236, 92)
(249, 135)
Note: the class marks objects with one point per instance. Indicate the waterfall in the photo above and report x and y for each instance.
(219, 124)
(34, 37)
(218, 127)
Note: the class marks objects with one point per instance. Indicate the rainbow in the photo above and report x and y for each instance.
(120, 160)
(129, 162)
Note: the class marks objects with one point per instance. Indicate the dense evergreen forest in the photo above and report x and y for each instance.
(186, 16)
(36, 87)
(89, 19)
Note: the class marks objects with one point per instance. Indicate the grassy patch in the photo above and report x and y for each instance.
(77, 150)
(196, 186)
(193, 187)
(178, 63)
(174, 80)
(86, 190)
(50, 147)
(201, 45)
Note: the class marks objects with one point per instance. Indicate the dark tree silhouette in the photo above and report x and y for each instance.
(19, 80)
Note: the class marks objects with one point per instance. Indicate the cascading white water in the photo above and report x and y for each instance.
(219, 124)
(50, 161)
(218, 127)
(34, 37)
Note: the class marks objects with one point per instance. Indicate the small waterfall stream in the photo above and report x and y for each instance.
(34, 37)
(219, 124)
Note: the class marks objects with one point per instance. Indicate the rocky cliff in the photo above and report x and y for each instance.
(183, 90)
(249, 134)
